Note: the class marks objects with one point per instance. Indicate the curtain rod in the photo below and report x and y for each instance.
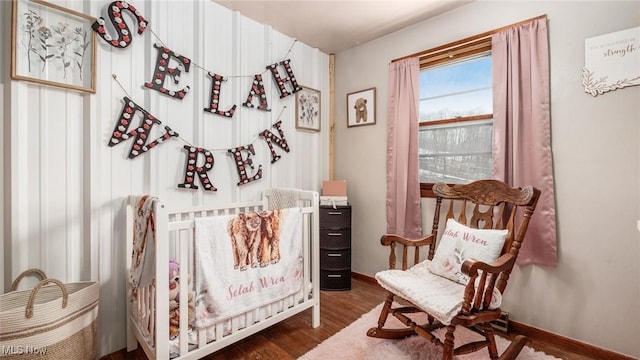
(472, 38)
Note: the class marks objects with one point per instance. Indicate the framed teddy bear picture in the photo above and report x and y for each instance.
(361, 107)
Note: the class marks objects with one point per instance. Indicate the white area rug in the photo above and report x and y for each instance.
(352, 342)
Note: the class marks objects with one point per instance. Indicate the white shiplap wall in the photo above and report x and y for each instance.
(67, 188)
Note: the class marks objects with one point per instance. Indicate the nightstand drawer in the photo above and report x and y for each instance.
(335, 239)
(335, 259)
(335, 218)
(335, 280)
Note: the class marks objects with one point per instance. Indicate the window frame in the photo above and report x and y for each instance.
(452, 53)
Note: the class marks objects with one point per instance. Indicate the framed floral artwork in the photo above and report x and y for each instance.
(52, 45)
(308, 109)
(361, 107)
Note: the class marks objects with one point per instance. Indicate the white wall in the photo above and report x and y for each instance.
(593, 295)
(66, 189)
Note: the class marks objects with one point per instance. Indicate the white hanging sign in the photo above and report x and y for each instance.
(612, 61)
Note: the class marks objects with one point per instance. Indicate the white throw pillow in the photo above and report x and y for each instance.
(459, 243)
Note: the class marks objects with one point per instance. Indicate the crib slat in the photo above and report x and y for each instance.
(183, 256)
(162, 284)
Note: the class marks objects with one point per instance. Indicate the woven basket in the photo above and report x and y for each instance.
(51, 321)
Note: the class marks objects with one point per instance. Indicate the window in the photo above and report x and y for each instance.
(456, 115)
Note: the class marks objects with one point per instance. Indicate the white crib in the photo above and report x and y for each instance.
(148, 308)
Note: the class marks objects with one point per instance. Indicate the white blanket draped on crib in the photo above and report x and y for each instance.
(246, 260)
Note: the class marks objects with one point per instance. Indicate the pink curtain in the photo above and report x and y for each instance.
(522, 136)
(403, 183)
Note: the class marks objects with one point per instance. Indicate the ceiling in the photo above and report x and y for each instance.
(333, 26)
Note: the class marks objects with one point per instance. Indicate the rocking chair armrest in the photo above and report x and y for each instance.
(482, 292)
(470, 267)
(388, 239)
(391, 240)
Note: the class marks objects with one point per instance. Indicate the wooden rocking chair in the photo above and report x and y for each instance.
(470, 295)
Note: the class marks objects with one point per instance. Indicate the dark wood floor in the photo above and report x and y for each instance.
(293, 337)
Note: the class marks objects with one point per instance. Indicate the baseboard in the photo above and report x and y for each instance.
(566, 343)
(363, 277)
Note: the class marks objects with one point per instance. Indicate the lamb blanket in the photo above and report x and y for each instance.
(246, 260)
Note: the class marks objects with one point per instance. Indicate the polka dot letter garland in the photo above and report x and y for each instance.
(141, 133)
(115, 11)
(141, 144)
(281, 81)
(162, 70)
(216, 86)
(192, 170)
(280, 141)
(257, 89)
(241, 164)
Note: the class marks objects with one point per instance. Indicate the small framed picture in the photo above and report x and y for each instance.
(308, 109)
(361, 108)
(52, 45)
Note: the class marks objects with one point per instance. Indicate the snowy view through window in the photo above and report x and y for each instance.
(456, 152)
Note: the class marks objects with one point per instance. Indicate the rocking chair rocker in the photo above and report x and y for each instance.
(462, 281)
